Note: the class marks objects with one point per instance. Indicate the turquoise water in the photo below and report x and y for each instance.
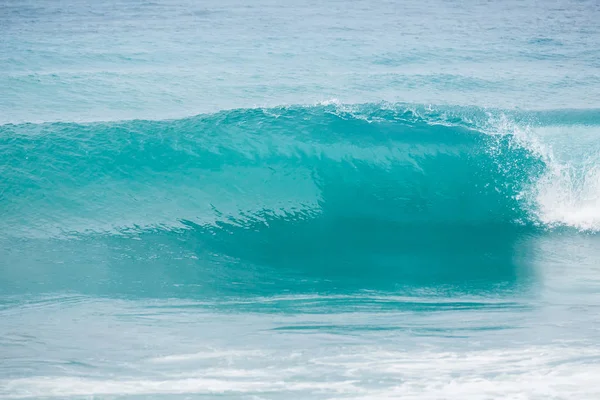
(284, 200)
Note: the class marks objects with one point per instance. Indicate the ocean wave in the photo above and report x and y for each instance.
(370, 165)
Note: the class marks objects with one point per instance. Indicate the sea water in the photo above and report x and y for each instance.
(299, 200)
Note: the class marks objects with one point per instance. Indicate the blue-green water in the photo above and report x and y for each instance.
(298, 200)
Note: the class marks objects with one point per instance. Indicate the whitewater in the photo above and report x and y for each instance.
(299, 200)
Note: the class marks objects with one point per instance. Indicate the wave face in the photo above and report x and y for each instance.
(376, 194)
(374, 163)
(361, 165)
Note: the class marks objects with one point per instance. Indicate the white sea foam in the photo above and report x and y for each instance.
(364, 373)
(568, 192)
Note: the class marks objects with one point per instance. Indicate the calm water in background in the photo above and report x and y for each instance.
(283, 200)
